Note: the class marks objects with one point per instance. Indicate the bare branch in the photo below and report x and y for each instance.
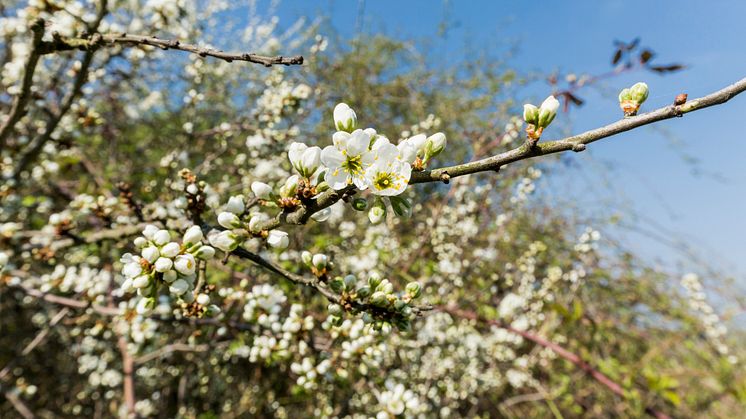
(578, 142)
(170, 348)
(19, 104)
(60, 43)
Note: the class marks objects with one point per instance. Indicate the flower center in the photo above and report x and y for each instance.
(383, 180)
(353, 165)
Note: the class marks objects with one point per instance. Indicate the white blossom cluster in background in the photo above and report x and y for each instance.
(715, 329)
(163, 263)
(229, 337)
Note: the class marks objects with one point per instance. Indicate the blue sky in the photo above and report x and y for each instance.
(642, 170)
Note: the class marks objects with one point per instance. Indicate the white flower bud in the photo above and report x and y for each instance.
(434, 145)
(130, 270)
(170, 250)
(306, 257)
(235, 205)
(192, 189)
(229, 220)
(161, 237)
(149, 231)
(418, 142)
(170, 276)
(548, 111)
(145, 306)
(178, 287)
(150, 253)
(407, 151)
(163, 264)
(226, 241)
(305, 160)
(185, 264)
(290, 187)
(193, 235)
(256, 220)
(127, 285)
(141, 242)
(261, 190)
(205, 252)
(345, 118)
(203, 299)
(319, 261)
(278, 239)
(141, 281)
(530, 114)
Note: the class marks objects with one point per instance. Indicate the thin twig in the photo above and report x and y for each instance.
(19, 104)
(60, 43)
(579, 142)
(170, 348)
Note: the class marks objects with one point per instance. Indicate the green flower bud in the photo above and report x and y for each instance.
(530, 114)
(212, 310)
(290, 187)
(321, 187)
(548, 111)
(337, 285)
(630, 99)
(434, 145)
(360, 204)
(363, 292)
(350, 282)
(307, 258)
(625, 95)
(639, 92)
(374, 279)
(401, 206)
(378, 298)
(386, 286)
(407, 312)
(367, 318)
(403, 325)
(335, 309)
(335, 321)
(414, 289)
(399, 304)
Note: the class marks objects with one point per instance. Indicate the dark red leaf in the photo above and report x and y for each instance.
(666, 68)
(646, 55)
(617, 57)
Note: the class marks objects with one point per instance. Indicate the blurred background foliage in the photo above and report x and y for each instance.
(630, 320)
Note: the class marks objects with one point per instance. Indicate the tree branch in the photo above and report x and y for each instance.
(321, 286)
(19, 104)
(60, 43)
(578, 142)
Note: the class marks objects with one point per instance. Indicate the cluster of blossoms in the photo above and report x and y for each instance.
(164, 263)
(715, 330)
(387, 307)
(364, 159)
(242, 225)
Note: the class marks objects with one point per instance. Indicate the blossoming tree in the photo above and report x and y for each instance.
(242, 235)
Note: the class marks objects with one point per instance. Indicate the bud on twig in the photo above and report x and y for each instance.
(378, 212)
(630, 99)
(345, 118)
